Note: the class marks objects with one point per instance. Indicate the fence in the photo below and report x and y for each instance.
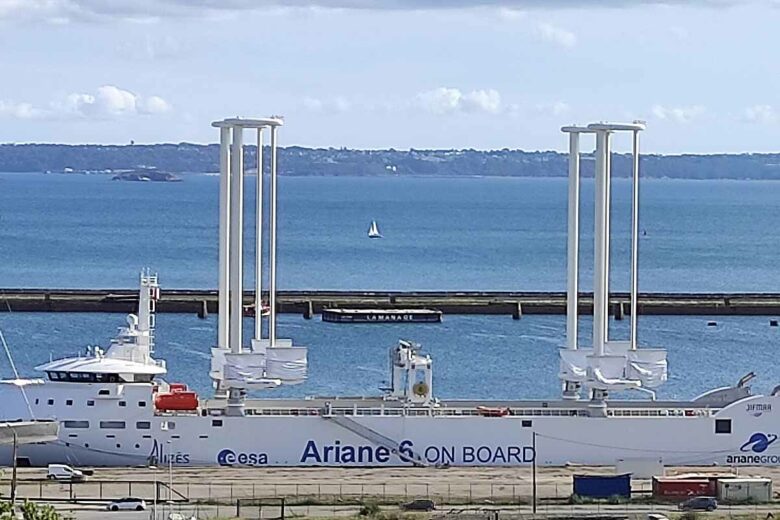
(393, 491)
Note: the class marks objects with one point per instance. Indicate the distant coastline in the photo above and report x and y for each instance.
(179, 159)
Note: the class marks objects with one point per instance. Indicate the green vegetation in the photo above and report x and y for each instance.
(613, 500)
(30, 511)
(296, 160)
(370, 509)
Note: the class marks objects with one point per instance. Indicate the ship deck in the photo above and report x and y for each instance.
(378, 406)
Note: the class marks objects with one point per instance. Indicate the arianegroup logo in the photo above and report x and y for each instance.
(758, 442)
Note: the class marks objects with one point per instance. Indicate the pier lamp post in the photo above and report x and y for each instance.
(533, 470)
(169, 442)
(156, 493)
(13, 473)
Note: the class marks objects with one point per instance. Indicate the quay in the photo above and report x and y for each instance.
(310, 303)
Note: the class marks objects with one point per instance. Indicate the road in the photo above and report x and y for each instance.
(638, 511)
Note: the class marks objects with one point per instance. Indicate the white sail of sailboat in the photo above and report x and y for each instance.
(373, 230)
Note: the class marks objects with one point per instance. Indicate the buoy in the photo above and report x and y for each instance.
(773, 323)
(712, 323)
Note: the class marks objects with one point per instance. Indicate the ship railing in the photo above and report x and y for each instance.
(663, 412)
(469, 412)
(411, 412)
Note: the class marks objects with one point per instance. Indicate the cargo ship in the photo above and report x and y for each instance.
(115, 408)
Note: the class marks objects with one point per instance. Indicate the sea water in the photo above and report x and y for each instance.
(74, 231)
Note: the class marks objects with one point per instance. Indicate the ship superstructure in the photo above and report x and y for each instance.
(115, 408)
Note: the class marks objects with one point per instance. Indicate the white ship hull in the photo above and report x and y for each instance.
(113, 406)
(326, 433)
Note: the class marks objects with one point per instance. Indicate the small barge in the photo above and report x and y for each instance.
(381, 315)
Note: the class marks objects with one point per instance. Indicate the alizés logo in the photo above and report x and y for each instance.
(758, 442)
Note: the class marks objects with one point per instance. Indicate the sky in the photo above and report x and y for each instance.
(484, 74)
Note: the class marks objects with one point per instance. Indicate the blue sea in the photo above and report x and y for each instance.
(79, 231)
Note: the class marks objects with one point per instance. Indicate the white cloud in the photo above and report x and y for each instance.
(334, 105)
(12, 110)
(684, 114)
(511, 13)
(151, 48)
(556, 109)
(153, 105)
(760, 114)
(444, 100)
(63, 11)
(313, 104)
(679, 33)
(482, 101)
(557, 35)
(107, 102)
(440, 100)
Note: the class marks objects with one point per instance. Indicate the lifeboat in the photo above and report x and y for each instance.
(177, 399)
(486, 411)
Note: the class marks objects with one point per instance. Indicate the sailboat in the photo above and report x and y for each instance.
(373, 230)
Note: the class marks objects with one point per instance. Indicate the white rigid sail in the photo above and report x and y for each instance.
(289, 364)
(373, 230)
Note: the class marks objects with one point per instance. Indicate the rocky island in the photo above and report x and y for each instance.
(146, 176)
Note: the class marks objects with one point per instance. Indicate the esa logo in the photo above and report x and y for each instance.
(231, 458)
(758, 442)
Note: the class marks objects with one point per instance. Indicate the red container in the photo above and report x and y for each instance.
(177, 401)
(682, 488)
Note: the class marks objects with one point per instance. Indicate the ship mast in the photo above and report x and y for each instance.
(607, 364)
(264, 362)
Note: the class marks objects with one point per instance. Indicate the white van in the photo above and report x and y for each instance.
(66, 473)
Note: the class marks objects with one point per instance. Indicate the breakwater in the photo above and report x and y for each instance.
(310, 303)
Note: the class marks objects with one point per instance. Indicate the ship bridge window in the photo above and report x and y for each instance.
(106, 378)
(113, 425)
(143, 425)
(527, 424)
(722, 425)
(104, 391)
(90, 403)
(50, 402)
(81, 377)
(75, 424)
(216, 423)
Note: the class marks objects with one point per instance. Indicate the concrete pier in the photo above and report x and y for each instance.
(308, 303)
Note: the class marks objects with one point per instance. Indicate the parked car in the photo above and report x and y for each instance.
(127, 504)
(65, 473)
(699, 504)
(420, 504)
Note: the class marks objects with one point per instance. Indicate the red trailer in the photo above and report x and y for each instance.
(673, 488)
